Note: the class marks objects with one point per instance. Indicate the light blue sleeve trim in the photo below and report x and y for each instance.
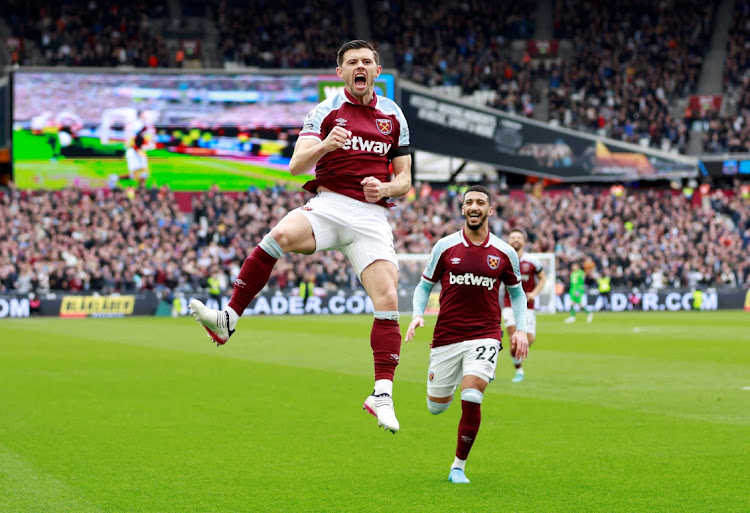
(518, 303)
(421, 295)
(388, 106)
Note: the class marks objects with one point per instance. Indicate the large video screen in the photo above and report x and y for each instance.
(189, 131)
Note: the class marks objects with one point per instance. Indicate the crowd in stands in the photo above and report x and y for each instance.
(647, 239)
(731, 133)
(88, 33)
(630, 60)
(460, 43)
(101, 241)
(127, 241)
(284, 33)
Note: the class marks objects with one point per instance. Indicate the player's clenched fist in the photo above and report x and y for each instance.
(374, 189)
(336, 138)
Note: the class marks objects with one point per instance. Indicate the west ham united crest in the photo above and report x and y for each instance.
(431, 376)
(493, 261)
(384, 125)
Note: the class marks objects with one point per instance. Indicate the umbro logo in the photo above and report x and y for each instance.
(340, 122)
(394, 357)
(455, 261)
(239, 283)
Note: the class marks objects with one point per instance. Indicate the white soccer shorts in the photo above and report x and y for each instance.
(359, 230)
(449, 364)
(510, 320)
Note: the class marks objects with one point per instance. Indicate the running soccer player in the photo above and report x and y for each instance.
(532, 280)
(470, 265)
(136, 160)
(350, 139)
(576, 291)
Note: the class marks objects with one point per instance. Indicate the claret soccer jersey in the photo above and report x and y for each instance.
(470, 276)
(379, 133)
(530, 269)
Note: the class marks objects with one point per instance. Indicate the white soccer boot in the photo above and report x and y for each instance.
(215, 322)
(381, 407)
(570, 320)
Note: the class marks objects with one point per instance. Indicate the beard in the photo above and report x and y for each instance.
(475, 225)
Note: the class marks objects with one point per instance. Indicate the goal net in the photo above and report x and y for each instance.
(411, 266)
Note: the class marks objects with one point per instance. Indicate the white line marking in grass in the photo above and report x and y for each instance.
(745, 388)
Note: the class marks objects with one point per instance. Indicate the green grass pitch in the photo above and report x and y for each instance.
(637, 412)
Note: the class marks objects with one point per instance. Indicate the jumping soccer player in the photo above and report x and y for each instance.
(532, 280)
(576, 291)
(470, 265)
(350, 139)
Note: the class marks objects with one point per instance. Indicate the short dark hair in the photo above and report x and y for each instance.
(479, 188)
(519, 231)
(355, 44)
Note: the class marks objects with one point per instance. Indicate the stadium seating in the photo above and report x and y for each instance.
(630, 66)
(731, 132)
(285, 34)
(631, 61)
(73, 240)
(464, 44)
(81, 33)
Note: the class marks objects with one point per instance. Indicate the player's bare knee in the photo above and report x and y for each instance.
(385, 304)
(281, 235)
(384, 298)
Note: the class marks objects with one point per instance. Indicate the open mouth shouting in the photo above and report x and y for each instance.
(360, 80)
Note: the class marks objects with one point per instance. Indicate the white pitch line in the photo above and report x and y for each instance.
(745, 388)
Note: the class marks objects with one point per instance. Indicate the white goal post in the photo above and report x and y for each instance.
(412, 264)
